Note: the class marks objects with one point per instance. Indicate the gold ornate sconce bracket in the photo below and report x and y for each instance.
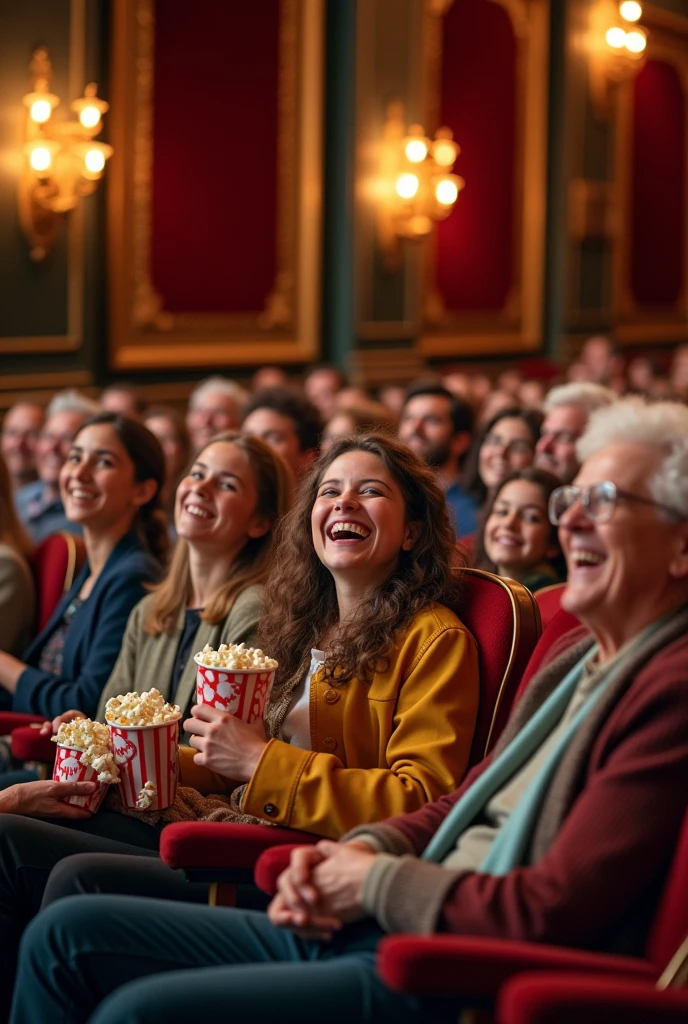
(416, 183)
(62, 160)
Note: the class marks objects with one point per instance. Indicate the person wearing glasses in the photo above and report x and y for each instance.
(506, 444)
(563, 835)
(39, 505)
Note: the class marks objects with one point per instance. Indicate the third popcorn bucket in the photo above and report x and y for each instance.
(145, 732)
(234, 678)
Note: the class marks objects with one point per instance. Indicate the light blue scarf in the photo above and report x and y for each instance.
(509, 847)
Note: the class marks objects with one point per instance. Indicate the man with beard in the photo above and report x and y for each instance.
(438, 427)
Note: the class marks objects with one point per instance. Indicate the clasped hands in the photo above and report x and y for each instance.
(322, 889)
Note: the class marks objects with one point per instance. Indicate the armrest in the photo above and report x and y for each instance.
(29, 745)
(557, 999)
(222, 846)
(464, 965)
(272, 862)
(11, 720)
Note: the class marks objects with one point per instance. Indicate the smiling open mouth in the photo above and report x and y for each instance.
(197, 512)
(348, 531)
(586, 558)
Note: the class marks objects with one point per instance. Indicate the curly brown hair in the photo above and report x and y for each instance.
(301, 601)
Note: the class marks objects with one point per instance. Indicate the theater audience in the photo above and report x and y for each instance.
(21, 426)
(517, 539)
(507, 443)
(564, 835)
(437, 426)
(567, 410)
(269, 377)
(170, 429)
(110, 485)
(216, 404)
(355, 618)
(358, 419)
(288, 423)
(39, 503)
(17, 598)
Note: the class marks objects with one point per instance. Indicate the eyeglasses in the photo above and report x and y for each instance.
(598, 502)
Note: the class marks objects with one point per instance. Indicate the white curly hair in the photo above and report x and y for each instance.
(661, 425)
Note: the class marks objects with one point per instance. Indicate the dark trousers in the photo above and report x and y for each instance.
(123, 960)
(29, 850)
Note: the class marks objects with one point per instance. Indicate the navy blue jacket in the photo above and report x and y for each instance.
(94, 637)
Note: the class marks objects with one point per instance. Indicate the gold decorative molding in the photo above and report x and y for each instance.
(143, 332)
(636, 325)
(517, 327)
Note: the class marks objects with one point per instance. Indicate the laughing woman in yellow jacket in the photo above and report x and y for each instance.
(377, 690)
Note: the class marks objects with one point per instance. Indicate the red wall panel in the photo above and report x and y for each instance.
(658, 186)
(214, 202)
(475, 245)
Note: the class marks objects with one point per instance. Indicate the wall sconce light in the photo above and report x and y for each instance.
(617, 52)
(62, 160)
(418, 187)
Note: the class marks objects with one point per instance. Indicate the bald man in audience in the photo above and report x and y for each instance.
(39, 504)
(217, 404)
(567, 411)
(20, 429)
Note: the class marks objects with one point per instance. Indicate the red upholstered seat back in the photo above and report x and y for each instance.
(549, 602)
(670, 925)
(503, 617)
(54, 563)
(563, 622)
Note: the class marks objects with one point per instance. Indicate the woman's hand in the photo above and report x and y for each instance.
(45, 799)
(50, 728)
(225, 744)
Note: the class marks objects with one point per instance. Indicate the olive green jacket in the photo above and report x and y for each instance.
(146, 661)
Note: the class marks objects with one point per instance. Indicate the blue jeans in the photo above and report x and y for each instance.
(129, 960)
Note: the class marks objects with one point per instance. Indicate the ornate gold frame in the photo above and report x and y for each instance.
(73, 339)
(667, 41)
(517, 327)
(143, 335)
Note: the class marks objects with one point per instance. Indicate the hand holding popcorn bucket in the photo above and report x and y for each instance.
(234, 679)
(144, 734)
(69, 767)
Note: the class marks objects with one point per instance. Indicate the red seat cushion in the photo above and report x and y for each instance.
(29, 745)
(205, 844)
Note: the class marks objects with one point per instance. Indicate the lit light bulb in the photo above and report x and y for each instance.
(444, 152)
(416, 151)
(635, 41)
(89, 117)
(616, 37)
(446, 192)
(94, 160)
(40, 111)
(40, 158)
(630, 10)
(407, 186)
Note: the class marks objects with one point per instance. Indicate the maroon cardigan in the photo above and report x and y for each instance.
(594, 882)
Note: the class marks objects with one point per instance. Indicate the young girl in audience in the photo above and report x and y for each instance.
(506, 444)
(17, 598)
(517, 539)
(110, 485)
(374, 705)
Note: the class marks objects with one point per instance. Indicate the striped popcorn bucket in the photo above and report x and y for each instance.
(146, 753)
(69, 767)
(241, 692)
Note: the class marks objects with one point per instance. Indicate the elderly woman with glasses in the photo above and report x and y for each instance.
(564, 835)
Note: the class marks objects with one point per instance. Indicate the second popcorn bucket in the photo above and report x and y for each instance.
(146, 755)
(223, 682)
(69, 767)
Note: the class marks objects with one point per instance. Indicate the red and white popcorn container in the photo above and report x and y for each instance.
(242, 692)
(147, 754)
(69, 767)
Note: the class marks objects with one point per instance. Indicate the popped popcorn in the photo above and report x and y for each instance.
(93, 739)
(236, 657)
(146, 796)
(147, 708)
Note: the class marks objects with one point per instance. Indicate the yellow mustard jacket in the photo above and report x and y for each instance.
(380, 748)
